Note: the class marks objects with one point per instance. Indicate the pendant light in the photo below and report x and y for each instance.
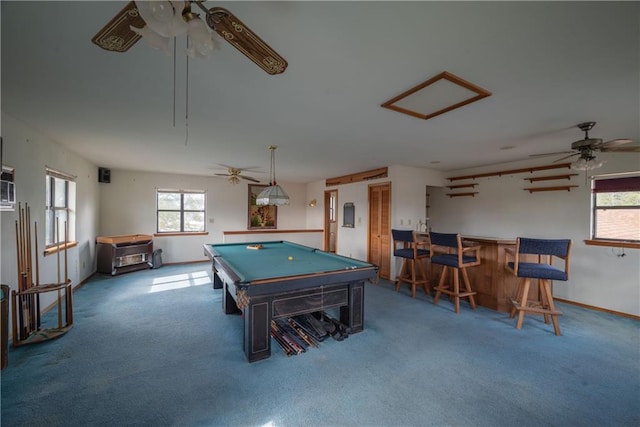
(274, 194)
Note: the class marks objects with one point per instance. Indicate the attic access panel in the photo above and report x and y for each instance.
(438, 95)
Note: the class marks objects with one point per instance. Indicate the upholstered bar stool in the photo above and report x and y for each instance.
(406, 247)
(543, 270)
(447, 250)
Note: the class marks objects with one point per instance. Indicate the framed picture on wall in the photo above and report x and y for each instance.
(260, 217)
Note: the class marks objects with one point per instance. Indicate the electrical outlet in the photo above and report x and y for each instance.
(402, 222)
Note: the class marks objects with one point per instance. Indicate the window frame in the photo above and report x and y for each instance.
(595, 208)
(56, 239)
(182, 211)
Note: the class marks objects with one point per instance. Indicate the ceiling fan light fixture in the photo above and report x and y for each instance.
(273, 195)
(584, 164)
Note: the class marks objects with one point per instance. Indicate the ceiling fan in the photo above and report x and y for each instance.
(585, 148)
(235, 174)
(158, 21)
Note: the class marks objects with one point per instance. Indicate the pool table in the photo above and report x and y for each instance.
(270, 280)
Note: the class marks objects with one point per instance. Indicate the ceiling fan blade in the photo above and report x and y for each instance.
(248, 178)
(632, 149)
(550, 154)
(613, 143)
(222, 174)
(234, 31)
(116, 36)
(566, 157)
(227, 166)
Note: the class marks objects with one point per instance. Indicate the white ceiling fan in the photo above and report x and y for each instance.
(586, 147)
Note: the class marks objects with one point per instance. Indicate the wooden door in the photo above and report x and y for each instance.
(379, 242)
(330, 220)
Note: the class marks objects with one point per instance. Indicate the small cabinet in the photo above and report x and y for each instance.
(122, 254)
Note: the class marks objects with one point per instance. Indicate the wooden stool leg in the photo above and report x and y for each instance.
(403, 270)
(425, 280)
(443, 276)
(413, 278)
(456, 288)
(467, 285)
(542, 297)
(552, 307)
(517, 298)
(523, 303)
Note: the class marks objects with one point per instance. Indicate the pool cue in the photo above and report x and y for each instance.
(283, 345)
(35, 226)
(58, 272)
(31, 297)
(300, 330)
(290, 342)
(68, 293)
(22, 303)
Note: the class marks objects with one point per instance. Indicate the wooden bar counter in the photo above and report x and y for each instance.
(495, 285)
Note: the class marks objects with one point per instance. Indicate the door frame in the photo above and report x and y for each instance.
(327, 220)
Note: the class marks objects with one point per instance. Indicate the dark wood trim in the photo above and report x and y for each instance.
(593, 307)
(550, 177)
(199, 233)
(227, 233)
(512, 171)
(462, 194)
(556, 188)
(358, 177)
(612, 243)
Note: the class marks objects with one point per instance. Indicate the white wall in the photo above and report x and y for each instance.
(407, 205)
(29, 152)
(128, 206)
(503, 209)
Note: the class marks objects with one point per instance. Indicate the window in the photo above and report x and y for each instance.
(60, 207)
(181, 211)
(7, 189)
(616, 208)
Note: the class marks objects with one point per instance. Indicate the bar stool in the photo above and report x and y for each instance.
(406, 247)
(543, 270)
(447, 250)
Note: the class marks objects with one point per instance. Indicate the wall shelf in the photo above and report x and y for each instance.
(512, 171)
(557, 188)
(550, 177)
(472, 194)
(451, 187)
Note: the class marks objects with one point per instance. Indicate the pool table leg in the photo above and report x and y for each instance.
(352, 314)
(257, 329)
(229, 305)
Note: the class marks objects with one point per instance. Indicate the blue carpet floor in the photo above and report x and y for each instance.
(153, 348)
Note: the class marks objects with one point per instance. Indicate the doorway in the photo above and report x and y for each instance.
(330, 220)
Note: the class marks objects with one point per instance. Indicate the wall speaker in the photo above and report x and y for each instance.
(104, 175)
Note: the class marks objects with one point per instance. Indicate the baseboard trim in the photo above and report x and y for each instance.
(593, 307)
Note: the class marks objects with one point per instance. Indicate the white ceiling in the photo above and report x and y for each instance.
(548, 65)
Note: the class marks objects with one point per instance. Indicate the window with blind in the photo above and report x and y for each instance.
(181, 211)
(60, 207)
(616, 208)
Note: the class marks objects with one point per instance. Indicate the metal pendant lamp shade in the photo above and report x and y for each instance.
(274, 194)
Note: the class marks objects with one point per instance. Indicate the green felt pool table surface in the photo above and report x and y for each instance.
(272, 260)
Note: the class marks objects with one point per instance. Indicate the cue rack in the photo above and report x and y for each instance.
(25, 314)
